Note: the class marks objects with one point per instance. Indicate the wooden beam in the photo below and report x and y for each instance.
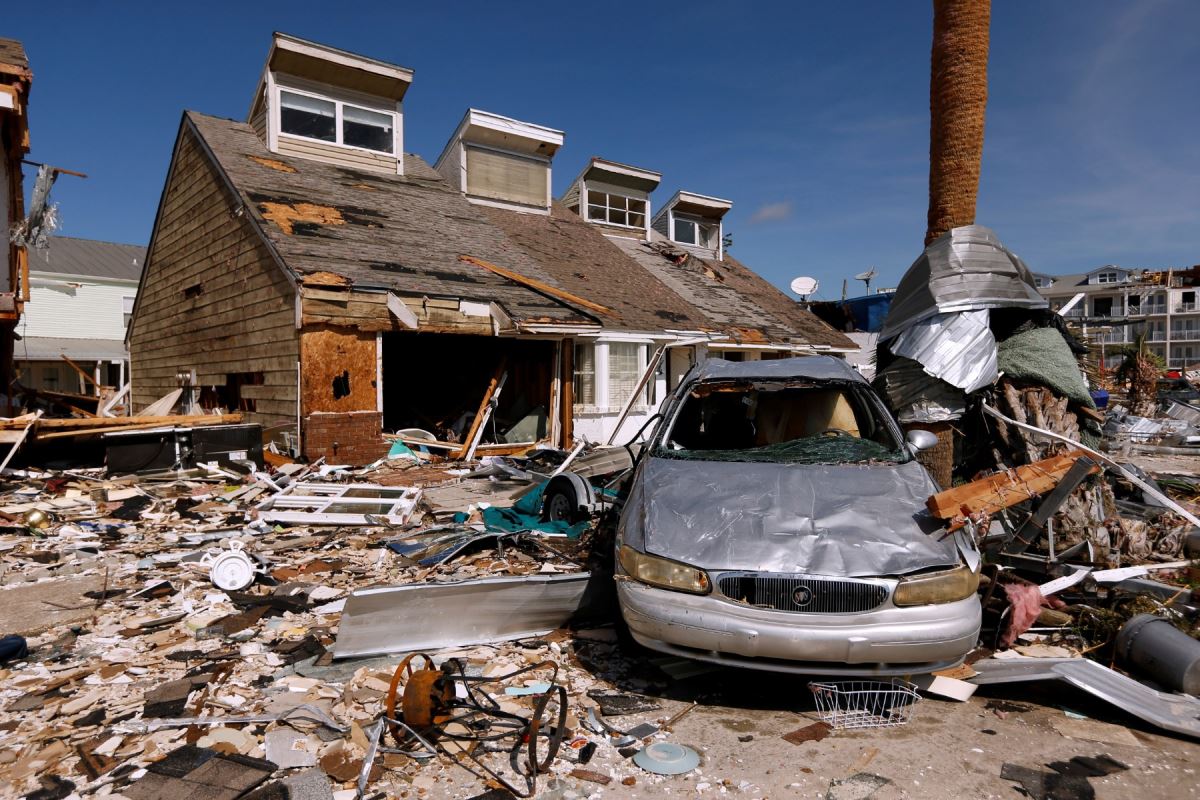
(1002, 490)
(403, 314)
(538, 286)
(469, 439)
(82, 372)
(115, 423)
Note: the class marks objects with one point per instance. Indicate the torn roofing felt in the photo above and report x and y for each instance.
(402, 233)
(736, 300)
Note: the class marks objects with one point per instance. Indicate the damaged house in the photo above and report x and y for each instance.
(15, 80)
(307, 272)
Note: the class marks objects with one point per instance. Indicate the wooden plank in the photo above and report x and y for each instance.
(537, 285)
(469, 439)
(1004, 489)
(401, 312)
(15, 445)
(81, 371)
(121, 422)
(197, 422)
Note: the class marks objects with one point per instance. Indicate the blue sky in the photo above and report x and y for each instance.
(812, 117)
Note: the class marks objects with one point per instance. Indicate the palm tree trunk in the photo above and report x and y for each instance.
(957, 103)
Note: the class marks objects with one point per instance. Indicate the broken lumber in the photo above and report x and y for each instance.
(469, 441)
(1004, 489)
(117, 423)
(538, 286)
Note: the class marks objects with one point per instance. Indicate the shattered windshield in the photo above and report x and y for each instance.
(793, 422)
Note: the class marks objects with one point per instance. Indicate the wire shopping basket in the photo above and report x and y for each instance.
(865, 704)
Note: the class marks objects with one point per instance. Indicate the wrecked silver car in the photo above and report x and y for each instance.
(776, 520)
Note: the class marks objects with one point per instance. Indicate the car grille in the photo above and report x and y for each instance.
(803, 594)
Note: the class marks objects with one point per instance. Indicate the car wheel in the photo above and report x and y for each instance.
(560, 504)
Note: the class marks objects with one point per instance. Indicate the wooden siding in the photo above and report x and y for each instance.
(368, 311)
(662, 224)
(335, 154)
(241, 318)
(259, 122)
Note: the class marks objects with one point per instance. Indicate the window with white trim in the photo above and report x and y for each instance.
(336, 122)
(585, 374)
(695, 232)
(606, 373)
(127, 310)
(615, 209)
(1108, 277)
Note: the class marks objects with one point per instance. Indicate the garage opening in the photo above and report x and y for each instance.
(435, 382)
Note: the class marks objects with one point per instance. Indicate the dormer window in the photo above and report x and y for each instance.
(500, 161)
(616, 209)
(1108, 277)
(325, 104)
(326, 120)
(696, 232)
(694, 221)
(614, 197)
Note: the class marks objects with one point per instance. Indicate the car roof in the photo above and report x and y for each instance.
(816, 367)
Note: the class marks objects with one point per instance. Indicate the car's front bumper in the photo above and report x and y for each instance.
(887, 641)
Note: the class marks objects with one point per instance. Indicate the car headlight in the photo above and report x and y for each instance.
(936, 587)
(663, 572)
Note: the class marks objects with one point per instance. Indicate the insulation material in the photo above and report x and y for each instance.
(338, 370)
(42, 219)
(957, 348)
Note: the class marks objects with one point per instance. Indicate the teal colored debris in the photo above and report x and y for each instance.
(525, 515)
(401, 450)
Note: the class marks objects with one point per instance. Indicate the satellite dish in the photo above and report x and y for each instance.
(866, 277)
(804, 287)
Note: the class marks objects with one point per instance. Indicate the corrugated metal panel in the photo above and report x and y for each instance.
(68, 256)
(1174, 712)
(958, 348)
(967, 269)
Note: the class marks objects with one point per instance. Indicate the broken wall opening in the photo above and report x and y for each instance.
(435, 382)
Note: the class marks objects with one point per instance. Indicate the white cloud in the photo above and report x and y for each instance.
(772, 212)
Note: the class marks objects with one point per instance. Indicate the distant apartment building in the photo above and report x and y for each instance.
(1119, 304)
(82, 294)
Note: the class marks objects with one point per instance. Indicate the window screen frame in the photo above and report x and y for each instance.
(609, 208)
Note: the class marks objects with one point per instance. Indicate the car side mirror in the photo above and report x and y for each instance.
(921, 440)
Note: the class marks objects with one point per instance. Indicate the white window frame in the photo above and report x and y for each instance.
(588, 204)
(699, 222)
(1110, 276)
(338, 103)
(307, 504)
(601, 380)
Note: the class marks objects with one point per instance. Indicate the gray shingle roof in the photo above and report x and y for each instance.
(13, 54)
(402, 233)
(70, 256)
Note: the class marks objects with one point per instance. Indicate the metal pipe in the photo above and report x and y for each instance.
(1162, 652)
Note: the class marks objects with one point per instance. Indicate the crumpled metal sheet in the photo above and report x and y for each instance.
(967, 269)
(432, 616)
(957, 348)
(918, 396)
(1173, 712)
(850, 520)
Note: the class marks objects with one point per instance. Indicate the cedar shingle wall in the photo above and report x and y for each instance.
(242, 319)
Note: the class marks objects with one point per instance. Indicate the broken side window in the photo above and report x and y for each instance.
(792, 422)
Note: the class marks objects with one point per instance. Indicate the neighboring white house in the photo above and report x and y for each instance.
(82, 295)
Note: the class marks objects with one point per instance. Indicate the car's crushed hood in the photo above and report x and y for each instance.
(849, 520)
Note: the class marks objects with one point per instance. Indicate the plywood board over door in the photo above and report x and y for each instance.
(337, 369)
